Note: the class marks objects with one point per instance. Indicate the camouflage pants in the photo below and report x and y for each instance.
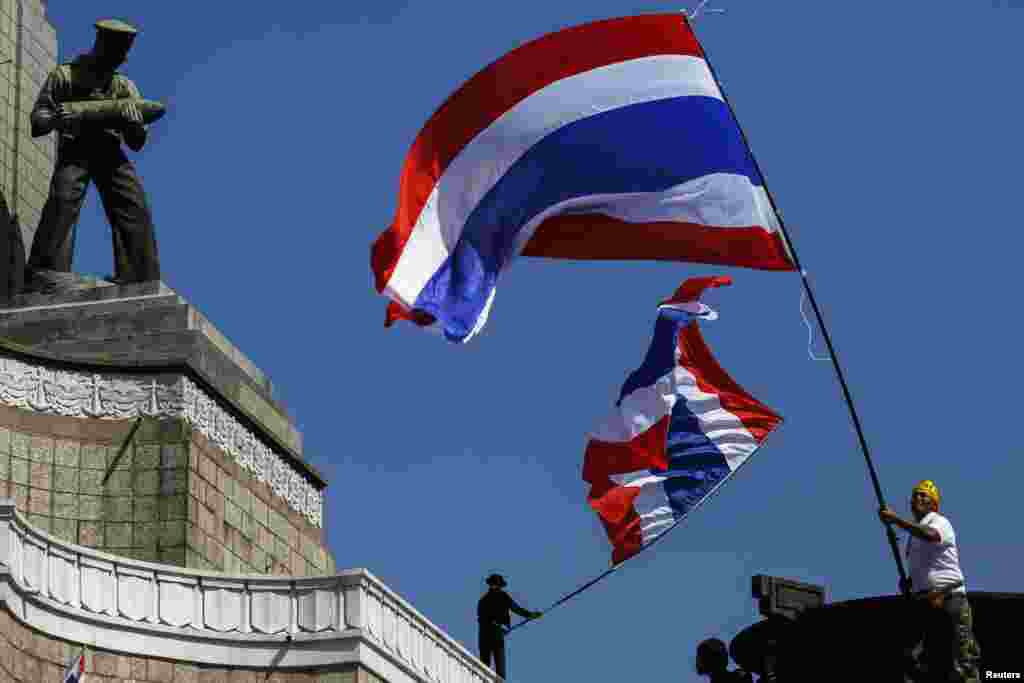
(944, 648)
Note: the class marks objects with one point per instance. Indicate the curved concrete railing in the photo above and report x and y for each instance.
(113, 603)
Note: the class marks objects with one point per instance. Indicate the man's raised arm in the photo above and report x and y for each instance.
(922, 531)
(134, 130)
(524, 613)
(47, 114)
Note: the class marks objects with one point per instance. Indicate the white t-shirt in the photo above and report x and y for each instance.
(934, 565)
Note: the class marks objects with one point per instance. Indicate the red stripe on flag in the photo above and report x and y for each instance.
(394, 312)
(644, 451)
(712, 379)
(505, 83)
(598, 237)
(614, 507)
(693, 287)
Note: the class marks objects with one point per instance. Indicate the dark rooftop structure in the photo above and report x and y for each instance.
(859, 639)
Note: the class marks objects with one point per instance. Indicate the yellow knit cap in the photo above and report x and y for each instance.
(928, 487)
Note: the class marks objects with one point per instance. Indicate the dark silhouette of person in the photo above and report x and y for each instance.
(713, 662)
(492, 614)
(92, 151)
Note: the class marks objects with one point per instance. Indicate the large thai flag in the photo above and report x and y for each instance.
(680, 429)
(610, 140)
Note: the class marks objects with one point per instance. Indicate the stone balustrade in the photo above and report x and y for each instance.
(78, 594)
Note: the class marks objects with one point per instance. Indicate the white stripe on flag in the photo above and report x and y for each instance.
(724, 429)
(481, 164)
(642, 408)
(699, 201)
(638, 412)
(656, 515)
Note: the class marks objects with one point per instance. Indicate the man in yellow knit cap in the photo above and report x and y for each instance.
(943, 622)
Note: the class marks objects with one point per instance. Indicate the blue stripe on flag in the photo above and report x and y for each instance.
(687, 443)
(661, 355)
(684, 492)
(696, 465)
(647, 147)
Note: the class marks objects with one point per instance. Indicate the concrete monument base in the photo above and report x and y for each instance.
(129, 423)
(145, 325)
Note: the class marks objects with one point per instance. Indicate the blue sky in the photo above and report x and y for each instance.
(889, 137)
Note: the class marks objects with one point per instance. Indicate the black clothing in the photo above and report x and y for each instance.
(492, 644)
(494, 607)
(737, 676)
(92, 153)
(492, 612)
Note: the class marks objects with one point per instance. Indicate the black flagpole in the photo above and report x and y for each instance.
(821, 323)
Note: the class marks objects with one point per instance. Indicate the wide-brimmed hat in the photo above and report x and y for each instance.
(496, 580)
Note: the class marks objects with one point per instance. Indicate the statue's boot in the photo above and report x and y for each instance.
(41, 281)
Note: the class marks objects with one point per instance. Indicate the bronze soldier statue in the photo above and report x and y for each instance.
(89, 148)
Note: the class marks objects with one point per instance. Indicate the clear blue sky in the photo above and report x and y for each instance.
(889, 134)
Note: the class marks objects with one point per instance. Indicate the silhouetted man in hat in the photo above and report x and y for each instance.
(492, 613)
(713, 662)
(92, 151)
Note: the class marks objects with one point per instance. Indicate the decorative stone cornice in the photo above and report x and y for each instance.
(39, 388)
(140, 608)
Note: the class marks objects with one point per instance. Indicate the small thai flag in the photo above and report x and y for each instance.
(76, 669)
(680, 429)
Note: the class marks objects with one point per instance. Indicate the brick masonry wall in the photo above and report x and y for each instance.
(172, 497)
(28, 656)
(54, 469)
(26, 163)
(239, 526)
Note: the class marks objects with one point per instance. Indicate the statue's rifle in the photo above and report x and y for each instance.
(110, 111)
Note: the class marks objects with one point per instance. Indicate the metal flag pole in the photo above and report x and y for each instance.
(821, 323)
(614, 567)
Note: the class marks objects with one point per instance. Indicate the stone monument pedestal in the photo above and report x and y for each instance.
(129, 423)
(143, 325)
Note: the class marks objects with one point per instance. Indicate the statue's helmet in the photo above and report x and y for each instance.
(114, 39)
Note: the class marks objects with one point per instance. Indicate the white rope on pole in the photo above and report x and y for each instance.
(702, 7)
(810, 330)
